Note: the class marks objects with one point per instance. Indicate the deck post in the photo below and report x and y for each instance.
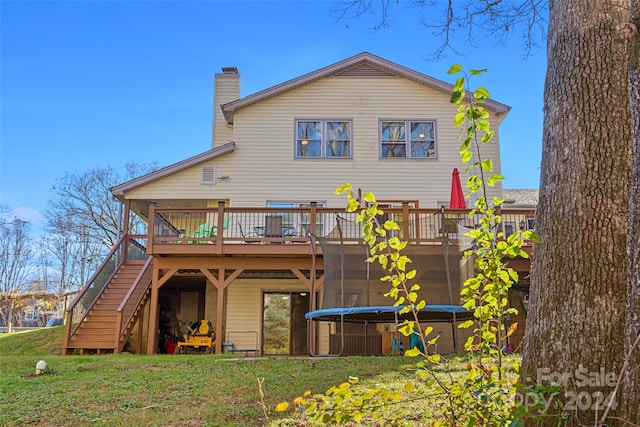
(116, 343)
(125, 226)
(151, 226)
(68, 316)
(405, 222)
(152, 338)
(312, 219)
(140, 330)
(220, 311)
(220, 226)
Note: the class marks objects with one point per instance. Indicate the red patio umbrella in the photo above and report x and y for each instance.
(456, 201)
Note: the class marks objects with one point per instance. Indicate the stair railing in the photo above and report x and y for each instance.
(131, 302)
(126, 247)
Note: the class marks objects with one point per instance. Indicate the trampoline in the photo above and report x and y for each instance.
(354, 294)
(390, 314)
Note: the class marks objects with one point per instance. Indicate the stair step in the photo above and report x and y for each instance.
(97, 325)
(91, 344)
(110, 299)
(99, 328)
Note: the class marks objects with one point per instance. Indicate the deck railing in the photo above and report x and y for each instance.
(225, 225)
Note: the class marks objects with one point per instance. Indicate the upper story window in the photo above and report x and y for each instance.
(323, 139)
(408, 139)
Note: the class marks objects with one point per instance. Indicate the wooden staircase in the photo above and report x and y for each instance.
(99, 331)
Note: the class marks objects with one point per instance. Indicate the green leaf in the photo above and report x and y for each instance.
(486, 137)
(391, 225)
(466, 324)
(404, 310)
(478, 72)
(481, 93)
(465, 146)
(412, 352)
(459, 119)
(532, 235)
(466, 156)
(407, 329)
(456, 96)
(494, 179)
(369, 197)
(487, 165)
(344, 187)
(455, 68)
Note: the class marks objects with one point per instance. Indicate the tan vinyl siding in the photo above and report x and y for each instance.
(264, 156)
(244, 308)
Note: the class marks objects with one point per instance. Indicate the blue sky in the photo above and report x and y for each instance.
(94, 83)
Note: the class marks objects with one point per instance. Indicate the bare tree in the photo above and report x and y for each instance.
(84, 199)
(84, 223)
(461, 24)
(73, 257)
(16, 268)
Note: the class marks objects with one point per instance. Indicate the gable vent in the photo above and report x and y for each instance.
(364, 70)
(208, 175)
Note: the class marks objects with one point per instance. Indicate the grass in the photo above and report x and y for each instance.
(185, 390)
(160, 389)
(40, 342)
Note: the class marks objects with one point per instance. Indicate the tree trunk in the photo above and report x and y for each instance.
(575, 326)
(630, 396)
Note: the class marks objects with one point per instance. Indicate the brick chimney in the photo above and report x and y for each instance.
(226, 88)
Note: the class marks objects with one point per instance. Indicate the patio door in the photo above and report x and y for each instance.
(284, 328)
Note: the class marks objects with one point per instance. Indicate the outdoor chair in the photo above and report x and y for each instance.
(208, 230)
(249, 237)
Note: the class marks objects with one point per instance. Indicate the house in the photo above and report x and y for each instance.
(232, 231)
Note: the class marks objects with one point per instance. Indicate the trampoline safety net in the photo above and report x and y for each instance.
(350, 281)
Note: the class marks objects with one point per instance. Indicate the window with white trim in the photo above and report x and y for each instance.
(408, 139)
(323, 139)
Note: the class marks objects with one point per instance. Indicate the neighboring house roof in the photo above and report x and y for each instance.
(520, 197)
(362, 65)
(121, 189)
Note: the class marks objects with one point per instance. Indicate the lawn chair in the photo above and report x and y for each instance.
(208, 230)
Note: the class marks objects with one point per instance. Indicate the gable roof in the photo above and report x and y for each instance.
(361, 65)
(121, 189)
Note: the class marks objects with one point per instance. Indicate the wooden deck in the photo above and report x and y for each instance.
(220, 244)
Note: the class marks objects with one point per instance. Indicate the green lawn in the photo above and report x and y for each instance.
(135, 390)
(188, 390)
